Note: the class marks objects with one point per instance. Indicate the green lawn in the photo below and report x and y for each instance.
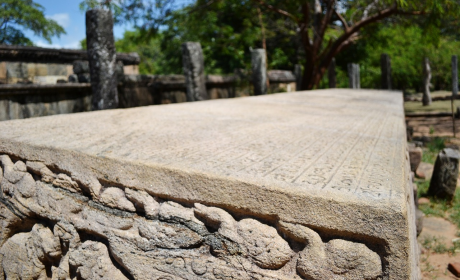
(435, 107)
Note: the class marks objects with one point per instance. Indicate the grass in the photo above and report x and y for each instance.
(437, 245)
(449, 210)
(432, 149)
(436, 106)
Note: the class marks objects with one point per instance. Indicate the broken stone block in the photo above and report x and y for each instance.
(80, 67)
(415, 157)
(445, 174)
(311, 185)
(73, 79)
(454, 268)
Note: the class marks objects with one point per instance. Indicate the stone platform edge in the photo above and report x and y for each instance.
(388, 237)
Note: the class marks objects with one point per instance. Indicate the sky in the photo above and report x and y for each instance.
(67, 13)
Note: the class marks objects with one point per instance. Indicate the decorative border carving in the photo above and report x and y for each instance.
(105, 231)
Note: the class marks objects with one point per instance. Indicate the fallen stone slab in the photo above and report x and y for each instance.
(306, 185)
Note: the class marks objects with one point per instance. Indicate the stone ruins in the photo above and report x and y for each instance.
(385, 65)
(102, 58)
(426, 100)
(311, 185)
(354, 78)
(193, 65)
(259, 71)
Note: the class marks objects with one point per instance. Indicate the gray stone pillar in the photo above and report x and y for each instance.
(102, 59)
(445, 174)
(354, 76)
(259, 71)
(193, 66)
(385, 63)
(454, 75)
(331, 74)
(426, 82)
(298, 77)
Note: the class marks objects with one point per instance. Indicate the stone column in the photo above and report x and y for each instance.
(385, 63)
(331, 74)
(426, 82)
(298, 77)
(454, 75)
(102, 59)
(353, 76)
(193, 65)
(259, 71)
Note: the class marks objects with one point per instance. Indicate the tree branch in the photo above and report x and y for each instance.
(279, 11)
(324, 23)
(342, 20)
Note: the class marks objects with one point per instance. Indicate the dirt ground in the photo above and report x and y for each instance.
(437, 231)
(434, 127)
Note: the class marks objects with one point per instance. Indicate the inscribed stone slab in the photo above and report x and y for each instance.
(318, 174)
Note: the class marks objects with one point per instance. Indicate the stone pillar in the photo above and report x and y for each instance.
(298, 77)
(426, 82)
(454, 75)
(445, 174)
(102, 59)
(331, 74)
(353, 76)
(385, 63)
(193, 65)
(259, 71)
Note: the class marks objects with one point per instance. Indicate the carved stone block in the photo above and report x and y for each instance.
(312, 185)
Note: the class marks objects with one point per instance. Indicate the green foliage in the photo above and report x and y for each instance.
(16, 15)
(152, 60)
(226, 30)
(406, 46)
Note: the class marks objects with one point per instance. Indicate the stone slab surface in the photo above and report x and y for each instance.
(326, 167)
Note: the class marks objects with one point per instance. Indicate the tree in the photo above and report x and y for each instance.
(324, 27)
(25, 14)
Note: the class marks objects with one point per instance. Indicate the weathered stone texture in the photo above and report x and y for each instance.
(193, 65)
(354, 79)
(426, 100)
(454, 75)
(332, 75)
(415, 157)
(445, 174)
(309, 185)
(102, 59)
(385, 64)
(298, 77)
(259, 71)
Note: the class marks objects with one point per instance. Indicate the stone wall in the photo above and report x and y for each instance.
(42, 73)
(20, 101)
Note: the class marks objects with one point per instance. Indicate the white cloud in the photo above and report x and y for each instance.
(62, 19)
(71, 45)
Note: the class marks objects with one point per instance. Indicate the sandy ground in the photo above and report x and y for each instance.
(434, 265)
